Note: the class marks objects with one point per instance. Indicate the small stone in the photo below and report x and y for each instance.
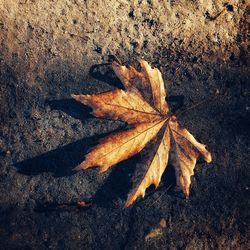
(98, 50)
(163, 223)
(153, 234)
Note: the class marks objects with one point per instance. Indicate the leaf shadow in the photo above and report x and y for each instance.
(71, 107)
(168, 178)
(176, 102)
(103, 72)
(62, 160)
(117, 184)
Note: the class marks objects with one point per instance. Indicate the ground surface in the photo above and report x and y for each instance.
(50, 49)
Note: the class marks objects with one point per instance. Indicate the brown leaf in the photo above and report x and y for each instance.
(120, 105)
(154, 131)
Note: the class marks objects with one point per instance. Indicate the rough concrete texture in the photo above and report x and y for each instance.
(50, 49)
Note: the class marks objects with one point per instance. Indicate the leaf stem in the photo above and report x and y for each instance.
(198, 104)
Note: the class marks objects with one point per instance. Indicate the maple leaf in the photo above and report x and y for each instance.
(153, 131)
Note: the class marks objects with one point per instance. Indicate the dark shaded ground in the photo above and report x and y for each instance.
(52, 49)
(40, 147)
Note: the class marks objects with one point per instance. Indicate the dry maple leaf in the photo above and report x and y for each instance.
(153, 131)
